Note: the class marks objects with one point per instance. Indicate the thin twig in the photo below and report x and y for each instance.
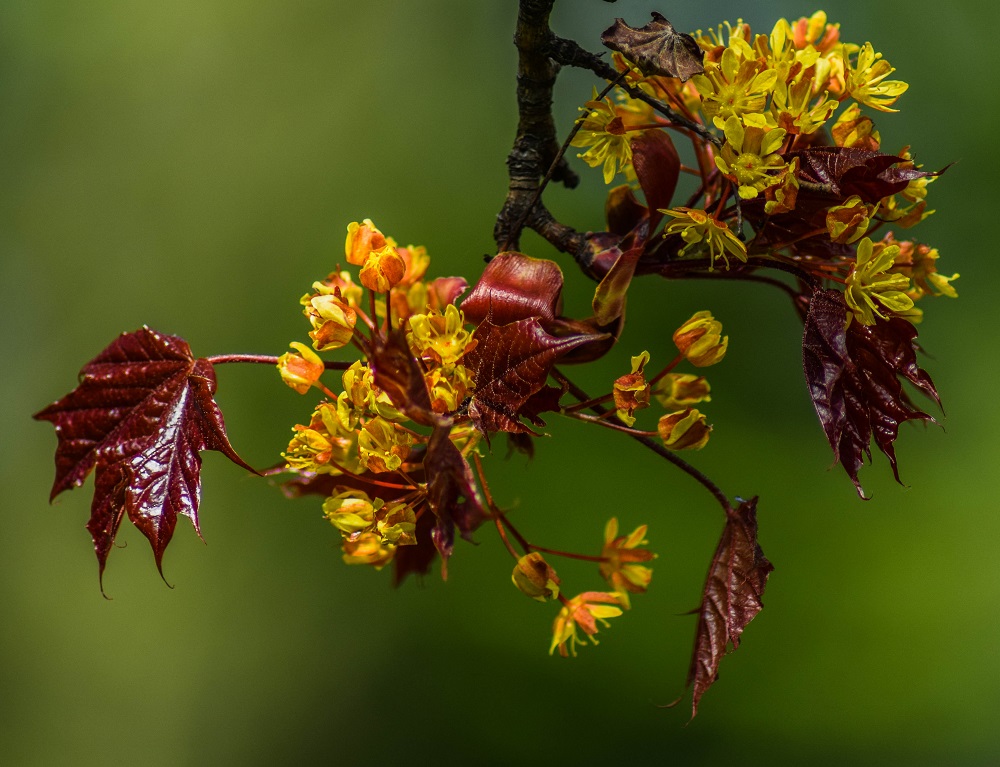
(657, 448)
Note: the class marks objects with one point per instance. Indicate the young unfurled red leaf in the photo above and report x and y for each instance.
(731, 597)
(511, 364)
(609, 297)
(657, 167)
(657, 48)
(451, 492)
(853, 379)
(514, 287)
(846, 171)
(398, 374)
(143, 410)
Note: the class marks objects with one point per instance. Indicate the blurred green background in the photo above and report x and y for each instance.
(192, 164)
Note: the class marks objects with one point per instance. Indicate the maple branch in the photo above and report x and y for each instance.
(536, 151)
(657, 448)
(570, 53)
(264, 359)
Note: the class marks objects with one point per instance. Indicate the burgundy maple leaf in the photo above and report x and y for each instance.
(511, 364)
(853, 376)
(731, 597)
(143, 410)
(845, 171)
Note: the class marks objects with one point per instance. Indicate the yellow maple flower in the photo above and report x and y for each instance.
(631, 391)
(582, 612)
(750, 155)
(622, 555)
(300, 369)
(873, 290)
(738, 85)
(866, 83)
(603, 130)
(696, 227)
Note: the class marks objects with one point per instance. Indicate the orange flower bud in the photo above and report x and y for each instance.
(700, 340)
(534, 577)
(684, 430)
(383, 269)
(362, 239)
(300, 369)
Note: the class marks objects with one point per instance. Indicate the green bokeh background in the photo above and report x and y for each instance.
(192, 164)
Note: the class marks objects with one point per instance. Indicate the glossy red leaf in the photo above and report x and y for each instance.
(142, 412)
(853, 376)
(657, 167)
(731, 597)
(657, 48)
(514, 287)
(511, 363)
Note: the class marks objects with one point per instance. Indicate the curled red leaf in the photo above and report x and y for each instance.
(657, 48)
(853, 376)
(514, 287)
(141, 414)
(731, 596)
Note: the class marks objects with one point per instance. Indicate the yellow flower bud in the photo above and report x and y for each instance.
(684, 430)
(382, 270)
(534, 577)
(677, 391)
(352, 512)
(368, 549)
(300, 370)
(700, 340)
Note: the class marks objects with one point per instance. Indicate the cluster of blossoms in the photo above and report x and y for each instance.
(783, 127)
(374, 458)
(789, 176)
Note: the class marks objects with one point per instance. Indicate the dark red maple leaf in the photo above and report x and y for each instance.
(142, 412)
(511, 364)
(845, 171)
(518, 339)
(731, 596)
(853, 376)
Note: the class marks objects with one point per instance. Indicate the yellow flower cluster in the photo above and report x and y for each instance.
(359, 431)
